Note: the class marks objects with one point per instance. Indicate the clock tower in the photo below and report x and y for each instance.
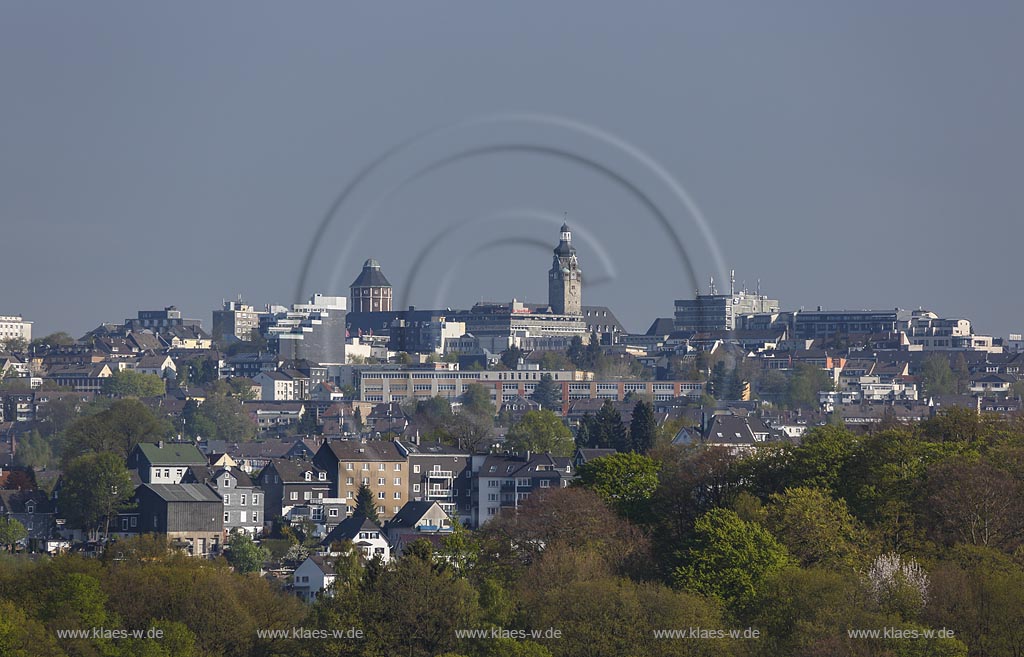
(565, 280)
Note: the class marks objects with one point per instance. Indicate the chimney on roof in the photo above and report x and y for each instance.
(160, 444)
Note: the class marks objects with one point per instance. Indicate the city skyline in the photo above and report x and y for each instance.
(139, 172)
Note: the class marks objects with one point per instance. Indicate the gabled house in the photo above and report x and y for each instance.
(160, 365)
(277, 386)
(164, 462)
(365, 534)
(243, 500)
(313, 578)
(736, 433)
(987, 384)
(417, 520)
(587, 454)
(517, 406)
(286, 483)
(33, 509)
(504, 481)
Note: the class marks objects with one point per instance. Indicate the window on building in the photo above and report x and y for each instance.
(416, 469)
(294, 495)
(381, 496)
(398, 495)
(227, 517)
(241, 500)
(307, 495)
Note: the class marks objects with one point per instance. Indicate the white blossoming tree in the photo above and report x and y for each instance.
(897, 583)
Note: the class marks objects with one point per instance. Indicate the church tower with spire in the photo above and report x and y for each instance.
(565, 280)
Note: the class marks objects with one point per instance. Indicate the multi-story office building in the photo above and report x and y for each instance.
(398, 385)
(235, 321)
(313, 331)
(719, 312)
(498, 326)
(160, 321)
(14, 327)
(815, 324)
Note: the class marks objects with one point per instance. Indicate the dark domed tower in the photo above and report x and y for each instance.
(565, 280)
(371, 291)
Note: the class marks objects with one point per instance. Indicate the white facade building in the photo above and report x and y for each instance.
(14, 327)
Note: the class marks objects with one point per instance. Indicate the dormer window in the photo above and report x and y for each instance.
(322, 476)
(309, 476)
(227, 482)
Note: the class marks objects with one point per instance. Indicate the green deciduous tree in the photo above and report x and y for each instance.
(730, 558)
(128, 383)
(225, 419)
(626, 482)
(96, 486)
(805, 382)
(937, 376)
(477, 399)
(34, 451)
(540, 431)
(59, 339)
(817, 529)
(126, 423)
(244, 555)
(11, 531)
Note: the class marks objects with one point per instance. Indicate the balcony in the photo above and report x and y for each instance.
(433, 493)
(440, 474)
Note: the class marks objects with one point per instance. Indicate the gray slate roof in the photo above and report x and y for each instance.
(184, 492)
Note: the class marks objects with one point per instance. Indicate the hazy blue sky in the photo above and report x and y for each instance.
(848, 154)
